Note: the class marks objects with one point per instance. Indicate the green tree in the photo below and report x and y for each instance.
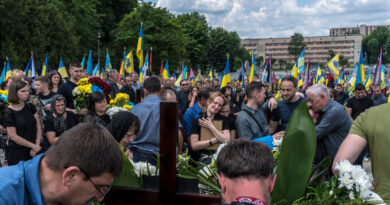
(296, 45)
(161, 31)
(343, 60)
(259, 60)
(196, 30)
(381, 34)
(387, 48)
(39, 26)
(331, 54)
(282, 63)
(373, 50)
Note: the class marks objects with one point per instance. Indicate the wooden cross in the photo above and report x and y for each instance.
(167, 193)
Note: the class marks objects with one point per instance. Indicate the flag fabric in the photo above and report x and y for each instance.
(301, 62)
(219, 78)
(242, 72)
(8, 73)
(62, 69)
(368, 81)
(263, 70)
(129, 63)
(2, 78)
(267, 69)
(211, 73)
(333, 65)
(145, 69)
(89, 69)
(377, 75)
(306, 77)
(341, 76)
(300, 80)
(96, 70)
(44, 67)
(383, 81)
(226, 75)
(185, 71)
(122, 71)
(192, 74)
(252, 71)
(162, 68)
(320, 79)
(140, 55)
(30, 69)
(165, 72)
(294, 71)
(108, 66)
(82, 62)
(150, 61)
(361, 66)
(179, 79)
(198, 76)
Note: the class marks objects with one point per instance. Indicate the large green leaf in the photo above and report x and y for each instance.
(127, 178)
(296, 157)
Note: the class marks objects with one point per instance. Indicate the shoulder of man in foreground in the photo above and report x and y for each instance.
(12, 184)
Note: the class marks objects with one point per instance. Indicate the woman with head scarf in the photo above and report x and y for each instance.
(124, 127)
(59, 120)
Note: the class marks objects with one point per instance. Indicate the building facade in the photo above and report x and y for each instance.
(316, 50)
(363, 30)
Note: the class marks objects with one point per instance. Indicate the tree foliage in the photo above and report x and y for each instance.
(296, 45)
(372, 43)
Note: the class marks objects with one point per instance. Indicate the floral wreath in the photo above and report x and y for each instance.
(101, 86)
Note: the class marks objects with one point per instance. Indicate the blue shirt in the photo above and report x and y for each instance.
(284, 112)
(148, 112)
(381, 99)
(191, 114)
(20, 183)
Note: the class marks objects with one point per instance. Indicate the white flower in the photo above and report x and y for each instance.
(112, 111)
(206, 171)
(331, 192)
(76, 92)
(218, 150)
(144, 168)
(277, 142)
(344, 166)
(351, 195)
(375, 198)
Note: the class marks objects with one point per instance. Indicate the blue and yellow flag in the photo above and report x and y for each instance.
(301, 62)
(226, 75)
(83, 62)
(140, 47)
(165, 72)
(185, 71)
(145, 68)
(89, 63)
(62, 69)
(211, 73)
(30, 69)
(108, 66)
(334, 64)
(8, 73)
(96, 70)
(360, 68)
(320, 79)
(253, 67)
(122, 71)
(368, 81)
(2, 78)
(44, 67)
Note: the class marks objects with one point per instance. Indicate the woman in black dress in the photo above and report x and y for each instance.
(59, 120)
(22, 123)
(97, 107)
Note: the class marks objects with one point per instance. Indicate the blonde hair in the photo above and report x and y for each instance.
(17, 75)
(212, 98)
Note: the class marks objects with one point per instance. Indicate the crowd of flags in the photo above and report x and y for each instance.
(303, 75)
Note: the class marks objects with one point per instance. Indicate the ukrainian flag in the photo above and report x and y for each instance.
(361, 67)
(30, 68)
(179, 79)
(165, 73)
(140, 48)
(62, 69)
(44, 67)
(333, 65)
(253, 71)
(108, 65)
(301, 61)
(89, 63)
(226, 75)
(96, 70)
(294, 71)
(83, 62)
(368, 82)
(185, 76)
(2, 78)
(122, 71)
(8, 73)
(211, 73)
(129, 62)
(383, 82)
(320, 79)
(144, 69)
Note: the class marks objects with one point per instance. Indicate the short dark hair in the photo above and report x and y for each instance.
(182, 81)
(88, 146)
(94, 98)
(43, 79)
(74, 65)
(13, 91)
(339, 85)
(165, 91)
(291, 79)
(152, 85)
(252, 87)
(224, 89)
(50, 75)
(244, 158)
(376, 86)
(359, 87)
(204, 92)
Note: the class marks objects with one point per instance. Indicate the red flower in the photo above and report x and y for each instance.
(102, 85)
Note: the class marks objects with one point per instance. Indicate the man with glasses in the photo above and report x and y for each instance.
(182, 96)
(78, 168)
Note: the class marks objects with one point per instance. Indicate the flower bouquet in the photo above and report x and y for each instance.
(3, 101)
(81, 93)
(101, 86)
(119, 104)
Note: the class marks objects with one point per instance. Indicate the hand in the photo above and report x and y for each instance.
(83, 111)
(315, 116)
(36, 149)
(32, 153)
(272, 104)
(47, 107)
(205, 123)
(278, 135)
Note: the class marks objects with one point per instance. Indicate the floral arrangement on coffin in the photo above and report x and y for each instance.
(145, 168)
(351, 186)
(119, 104)
(3, 101)
(84, 89)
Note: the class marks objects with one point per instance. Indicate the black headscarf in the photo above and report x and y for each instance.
(120, 124)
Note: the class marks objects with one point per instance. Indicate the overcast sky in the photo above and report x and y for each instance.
(282, 18)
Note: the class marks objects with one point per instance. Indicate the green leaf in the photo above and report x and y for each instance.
(296, 157)
(127, 178)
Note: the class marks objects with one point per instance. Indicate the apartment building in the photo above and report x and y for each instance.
(363, 30)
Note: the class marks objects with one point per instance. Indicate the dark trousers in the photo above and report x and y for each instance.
(15, 155)
(144, 156)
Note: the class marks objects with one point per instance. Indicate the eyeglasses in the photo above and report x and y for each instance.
(102, 189)
(184, 84)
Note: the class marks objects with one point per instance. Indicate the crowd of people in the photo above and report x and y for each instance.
(68, 147)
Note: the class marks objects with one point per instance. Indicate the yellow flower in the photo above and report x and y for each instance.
(128, 107)
(112, 102)
(83, 81)
(3, 92)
